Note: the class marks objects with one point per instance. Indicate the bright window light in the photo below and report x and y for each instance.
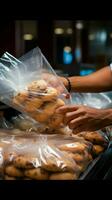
(103, 36)
(67, 49)
(79, 25)
(28, 36)
(58, 30)
(67, 55)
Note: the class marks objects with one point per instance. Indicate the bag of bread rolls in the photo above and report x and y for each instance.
(43, 157)
(30, 85)
(25, 123)
(99, 139)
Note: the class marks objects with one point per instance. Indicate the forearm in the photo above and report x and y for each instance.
(107, 113)
(99, 81)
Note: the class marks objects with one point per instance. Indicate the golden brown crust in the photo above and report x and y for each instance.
(9, 157)
(47, 111)
(56, 121)
(59, 165)
(75, 147)
(11, 170)
(38, 85)
(50, 94)
(25, 162)
(6, 177)
(37, 173)
(20, 98)
(94, 137)
(77, 157)
(97, 149)
(31, 105)
(63, 176)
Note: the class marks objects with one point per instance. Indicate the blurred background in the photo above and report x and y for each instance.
(77, 47)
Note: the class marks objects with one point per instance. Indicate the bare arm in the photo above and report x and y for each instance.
(82, 118)
(99, 81)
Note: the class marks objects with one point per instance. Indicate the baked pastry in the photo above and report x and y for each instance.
(41, 90)
(54, 164)
(97, 149)
(56, 121)
(6, 177)
(63, 176)
(9, 157)
(50, 94)
(75, 147)
(46, 111)
(11, 170)
(37, 173)
(37, 86)
(77, 157)
(95, 138)
(20, 98)
(25, 162)
(32, 104)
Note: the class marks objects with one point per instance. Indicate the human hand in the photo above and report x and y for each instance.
(83, 118)
(56, 82)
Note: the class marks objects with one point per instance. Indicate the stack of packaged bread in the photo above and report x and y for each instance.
(43, 157)
(50, 151)
(40, 146)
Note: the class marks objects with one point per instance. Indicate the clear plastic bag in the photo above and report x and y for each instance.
(4, 123)
(95, 100)
(43, 157)
(99, 139)
(24, 123)
(31, 86)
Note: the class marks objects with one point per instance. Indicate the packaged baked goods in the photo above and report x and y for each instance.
(24, 123)
(95, 137)
(99, 139)
(30, 85)
(43, 157)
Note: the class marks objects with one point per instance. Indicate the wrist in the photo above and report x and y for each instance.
(66, 83)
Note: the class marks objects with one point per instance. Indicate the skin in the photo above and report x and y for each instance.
(99, 81)
(83, 118)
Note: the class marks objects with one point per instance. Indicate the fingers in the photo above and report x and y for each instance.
(84, 127)
(70, 116)
(79, 129)
(65, 109)
(79, 121)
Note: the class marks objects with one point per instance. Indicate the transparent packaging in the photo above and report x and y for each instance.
(30, 85)
(43, 157)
